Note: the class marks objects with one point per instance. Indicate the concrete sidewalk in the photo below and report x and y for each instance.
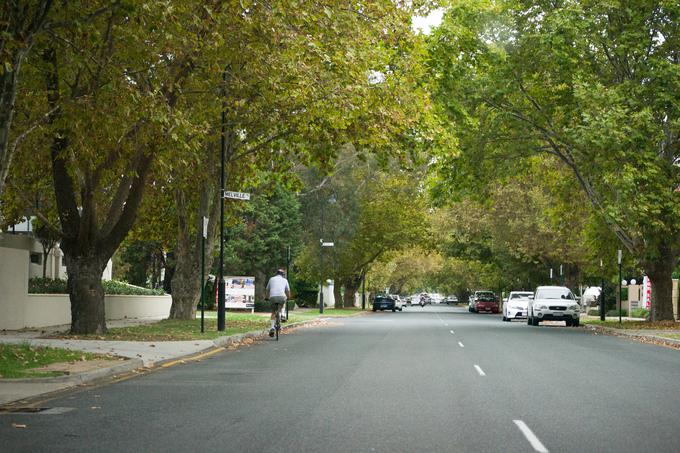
(134, 355)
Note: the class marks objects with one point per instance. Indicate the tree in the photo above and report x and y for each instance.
(321, 79)
(48, 239)
(377, 211)
(588, 83)
(108, 102)
(258, 241)
(25, 22)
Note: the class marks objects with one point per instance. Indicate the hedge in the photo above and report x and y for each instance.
(58, 286)
(266, 306)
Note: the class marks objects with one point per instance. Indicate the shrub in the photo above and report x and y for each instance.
(39, 285)
(594, 312)
(639, 313)
(58, 286)
(624, 312)
(123, 288)
(263, 306)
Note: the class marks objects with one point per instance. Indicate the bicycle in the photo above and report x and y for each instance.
(277, 323)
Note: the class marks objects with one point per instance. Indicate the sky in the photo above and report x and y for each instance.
(425, 24)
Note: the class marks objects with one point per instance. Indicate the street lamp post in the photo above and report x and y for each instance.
(561, 275)
(223, 146)
(619, 256)
(203, 238)
(601, 292)
(323, 244)
(363, 290)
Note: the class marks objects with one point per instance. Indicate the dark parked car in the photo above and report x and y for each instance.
(383, 303)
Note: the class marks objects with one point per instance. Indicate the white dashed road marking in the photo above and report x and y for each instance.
(461, 344)
(452, 332)
(531, 437)
(480, 371)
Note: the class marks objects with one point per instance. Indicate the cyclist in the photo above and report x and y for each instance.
(277, 292)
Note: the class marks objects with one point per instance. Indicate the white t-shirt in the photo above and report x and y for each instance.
(277, 286)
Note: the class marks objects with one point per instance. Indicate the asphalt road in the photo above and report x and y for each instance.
(426, 379)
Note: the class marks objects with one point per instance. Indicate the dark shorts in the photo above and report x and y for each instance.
(277, 302)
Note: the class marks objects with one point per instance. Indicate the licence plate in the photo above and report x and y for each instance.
(557, 314)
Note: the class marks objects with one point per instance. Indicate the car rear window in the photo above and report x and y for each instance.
(486, 296)
(555, 293)
(520, 295)
(383, 299)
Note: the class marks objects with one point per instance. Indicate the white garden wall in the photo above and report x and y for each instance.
(19, 310)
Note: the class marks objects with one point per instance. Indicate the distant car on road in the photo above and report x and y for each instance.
(484, 301)
(450, 300)
(399, 303)
(384, 302)
(515, 307)
(553, 303)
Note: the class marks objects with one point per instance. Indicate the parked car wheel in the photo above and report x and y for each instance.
(568, 322)
(576, 323)
(534, 321)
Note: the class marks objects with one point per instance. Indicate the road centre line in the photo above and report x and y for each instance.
(531, 437)
(461, 344)
(479, 370)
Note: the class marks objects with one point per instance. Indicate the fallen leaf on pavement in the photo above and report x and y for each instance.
(95, 407)
(18, 425)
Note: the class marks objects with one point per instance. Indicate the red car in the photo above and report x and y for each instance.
(485, 301)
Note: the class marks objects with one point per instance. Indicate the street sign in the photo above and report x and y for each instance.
(205, 227)
(327, 244)
(237, 195)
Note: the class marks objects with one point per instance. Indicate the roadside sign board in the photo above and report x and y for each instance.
(327, 244)
(237, 195)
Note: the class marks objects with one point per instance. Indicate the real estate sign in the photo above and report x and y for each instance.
(239, 293)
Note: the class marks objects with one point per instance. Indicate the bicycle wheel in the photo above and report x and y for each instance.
(278, 324)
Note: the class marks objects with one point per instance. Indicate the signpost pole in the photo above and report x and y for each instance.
(205, 234)
(223, 149)
(602, 293)
(363, 291)
(620, 255)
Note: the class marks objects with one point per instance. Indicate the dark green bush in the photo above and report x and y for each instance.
(58, 286)
(122, 288)
(39, 285)
(594, 312)
(263, 306)
(624, 312)
(639, 313)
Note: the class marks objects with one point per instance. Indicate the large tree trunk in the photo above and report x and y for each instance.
(660, 273)
(186, 283)
(351, 287)
(260, 284)
(337, 293)
(86, 293)
(186, 278)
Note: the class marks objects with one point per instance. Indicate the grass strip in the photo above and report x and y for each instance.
(19, 360)
(185, 330)
(634, 325)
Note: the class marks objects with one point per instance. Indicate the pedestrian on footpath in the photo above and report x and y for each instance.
(277, 292)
